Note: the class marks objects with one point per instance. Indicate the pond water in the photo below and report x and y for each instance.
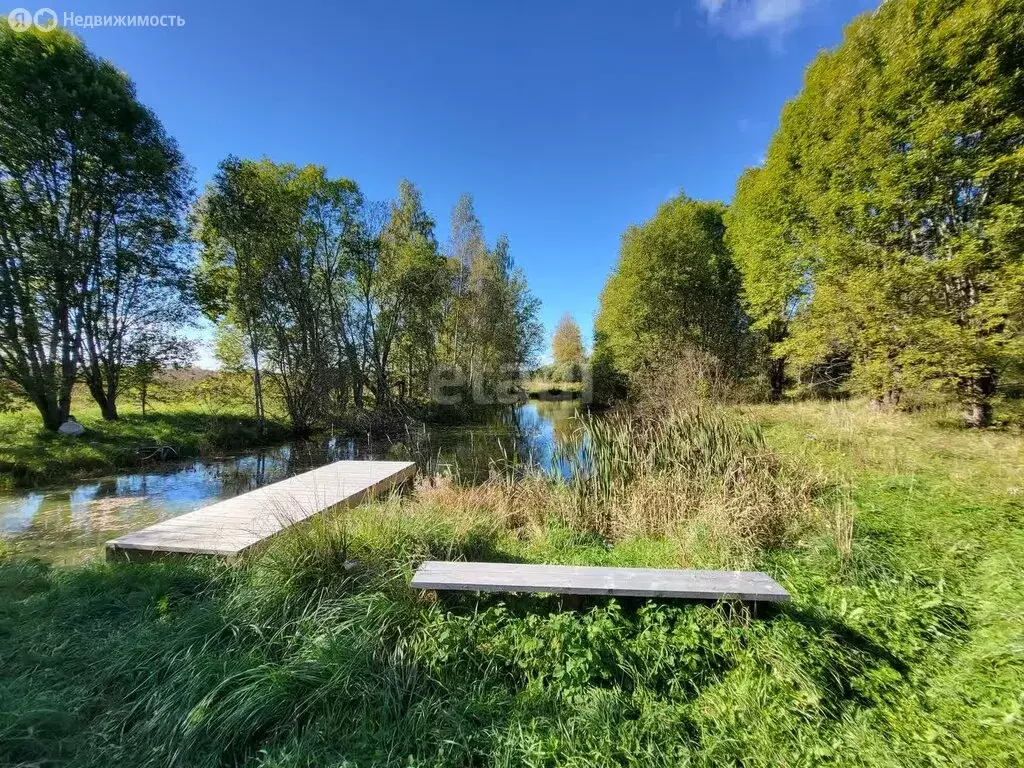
(72, 522)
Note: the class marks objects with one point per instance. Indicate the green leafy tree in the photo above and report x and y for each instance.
(332, 293)
(503, 332)
(492, 331)
(904, 153)
(567, 350)
(92, 191)
(466, 246)
(230, 349)
(410, 281)
(765, 235)
(151, 352)
(673, 287)
(337, 232)
(260, 269)
(231, 227)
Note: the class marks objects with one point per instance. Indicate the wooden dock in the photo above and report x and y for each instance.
(584, 580)
(229, 528)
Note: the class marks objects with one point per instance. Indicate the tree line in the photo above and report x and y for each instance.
(344, 299)
(107, 256)
(878, 248)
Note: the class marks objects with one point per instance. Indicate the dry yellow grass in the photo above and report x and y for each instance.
(851, 435)
(699, 478)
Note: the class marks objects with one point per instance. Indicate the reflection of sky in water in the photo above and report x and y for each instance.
(16, 513)
(538, 435)
(138, 499)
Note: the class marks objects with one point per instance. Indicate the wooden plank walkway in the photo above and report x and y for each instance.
(578, 580)
(230, 527)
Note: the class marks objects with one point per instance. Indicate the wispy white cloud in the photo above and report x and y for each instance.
(743, 18)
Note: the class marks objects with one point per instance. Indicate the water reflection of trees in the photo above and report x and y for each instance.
(519, 439)
(562, 417)
(514, 440)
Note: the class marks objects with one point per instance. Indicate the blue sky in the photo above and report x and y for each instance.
(567, 120)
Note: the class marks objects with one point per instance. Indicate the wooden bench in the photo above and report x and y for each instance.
(620, 582)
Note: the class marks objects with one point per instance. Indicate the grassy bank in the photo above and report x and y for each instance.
(190, 412)
(900, 542)
(30, 455)
(540, 388)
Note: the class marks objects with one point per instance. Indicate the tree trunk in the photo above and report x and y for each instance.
(103, 392)
(52, 415)
(107, 403)
(381, 392)
(257, 391)
(776, 378)
(54, 410)
(341, 390)
(892, 398)
(977, 395)
(888, 401)
(358, 384)
(978, 414)
(108, 408)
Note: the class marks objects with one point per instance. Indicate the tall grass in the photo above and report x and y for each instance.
(630, 474)
(316, 652)
(703, 478)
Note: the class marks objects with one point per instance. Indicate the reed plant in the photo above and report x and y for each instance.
(629, 473)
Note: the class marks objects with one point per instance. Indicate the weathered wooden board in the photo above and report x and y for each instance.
(230, 527)
(579, 580)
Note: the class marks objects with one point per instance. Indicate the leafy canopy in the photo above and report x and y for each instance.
(674, 286)
(886, 224)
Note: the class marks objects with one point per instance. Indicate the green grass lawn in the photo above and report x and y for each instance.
(904, 645)
(30, 455)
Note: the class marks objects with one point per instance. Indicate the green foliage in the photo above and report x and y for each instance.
(92, 196)
(889, 204)
(406, 288)
(332, 295)
(277, 242)
(761, 232)
(764, 235)
(229, 347)
(567, 350)
(673, 287)
(495, 333)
